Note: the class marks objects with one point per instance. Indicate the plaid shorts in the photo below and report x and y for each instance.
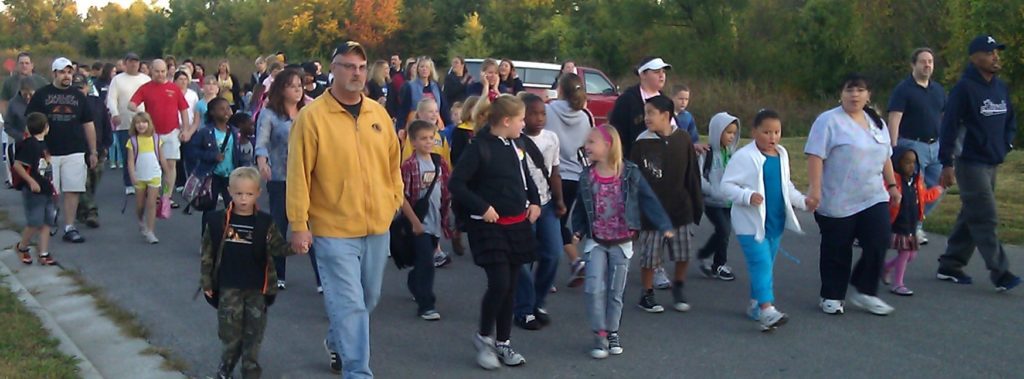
(653, 246)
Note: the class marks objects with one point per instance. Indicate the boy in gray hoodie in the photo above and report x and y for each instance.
(724, 138)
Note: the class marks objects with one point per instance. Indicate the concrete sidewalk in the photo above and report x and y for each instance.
(74, 319)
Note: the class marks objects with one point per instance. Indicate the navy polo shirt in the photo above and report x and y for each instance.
(922, 108)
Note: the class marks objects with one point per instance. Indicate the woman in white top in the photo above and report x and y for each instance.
(848, 152)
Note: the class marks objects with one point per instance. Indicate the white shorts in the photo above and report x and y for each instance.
(170, 145)
(69, 172)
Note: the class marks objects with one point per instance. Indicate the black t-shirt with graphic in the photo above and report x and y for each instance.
(240, 265)
(66, 110)
(32, 153)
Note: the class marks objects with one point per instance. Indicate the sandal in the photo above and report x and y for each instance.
(902, 291)
(23, 253)
(46, 260)
(174, 205)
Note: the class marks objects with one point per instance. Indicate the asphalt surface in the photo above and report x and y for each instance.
(945, 330)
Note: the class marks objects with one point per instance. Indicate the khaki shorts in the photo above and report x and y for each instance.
(69, 172)
(170, 145)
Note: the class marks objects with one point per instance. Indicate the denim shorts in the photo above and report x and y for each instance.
(39, 208)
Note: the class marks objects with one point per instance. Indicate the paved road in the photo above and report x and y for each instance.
(944, 331)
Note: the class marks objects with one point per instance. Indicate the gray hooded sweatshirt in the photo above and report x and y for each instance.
(711, 177)
(572, 128)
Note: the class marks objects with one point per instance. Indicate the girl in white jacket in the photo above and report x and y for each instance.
(757, 183)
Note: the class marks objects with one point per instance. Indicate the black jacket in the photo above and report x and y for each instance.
(984, 112)
(455, 88)
(493, 179)
(670, 166)
(628, 117)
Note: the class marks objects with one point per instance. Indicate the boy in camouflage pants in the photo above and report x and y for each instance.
(238, 274)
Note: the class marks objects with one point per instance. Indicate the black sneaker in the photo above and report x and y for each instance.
(335, 359)
(614, 345)
(542, 316)
(724, 272)
(705, 268)
(678, 297)
(648, 304)
(73, 236)
(528, 322)
(955, 276)
(1007, 282)
(223, 372)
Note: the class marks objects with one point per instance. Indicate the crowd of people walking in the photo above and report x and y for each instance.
(371, 159)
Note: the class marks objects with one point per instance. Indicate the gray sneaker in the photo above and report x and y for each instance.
(485, 356)
(508, 356)
(600, 350)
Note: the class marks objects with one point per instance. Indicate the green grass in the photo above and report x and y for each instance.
(1010, 181)
(26, 348)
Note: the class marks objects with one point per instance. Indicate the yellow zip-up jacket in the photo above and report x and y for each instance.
(344, 178)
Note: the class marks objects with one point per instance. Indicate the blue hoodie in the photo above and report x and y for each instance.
(979, 112)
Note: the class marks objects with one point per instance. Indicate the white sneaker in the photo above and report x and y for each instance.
(281, 285)
(485, 356)
(320, 289)
(431, 315)
(922, 237)
(832, 307)
(771, 318)
(600, 350)
(661, 281)
(150, 237)
(871, 304)
(754, 310)
(129, 190)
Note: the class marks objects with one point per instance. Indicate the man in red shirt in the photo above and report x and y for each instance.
(166, 104)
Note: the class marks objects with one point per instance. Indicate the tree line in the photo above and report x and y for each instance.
(799, 47)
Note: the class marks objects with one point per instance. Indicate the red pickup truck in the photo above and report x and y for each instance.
(537, 77)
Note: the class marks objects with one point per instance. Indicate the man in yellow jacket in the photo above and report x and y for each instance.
(344, 188)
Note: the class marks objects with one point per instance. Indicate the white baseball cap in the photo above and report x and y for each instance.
(653, 64)
(60, 64)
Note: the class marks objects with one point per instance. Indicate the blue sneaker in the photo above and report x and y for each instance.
(1008, 282)
(955, 276)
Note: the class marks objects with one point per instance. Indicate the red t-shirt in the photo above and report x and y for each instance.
(163, 102)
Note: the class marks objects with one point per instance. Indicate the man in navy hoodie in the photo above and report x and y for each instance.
(980, 118)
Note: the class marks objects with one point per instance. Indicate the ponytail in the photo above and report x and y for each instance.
(570, 88)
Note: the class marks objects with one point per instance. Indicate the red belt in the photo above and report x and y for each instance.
(511, 220)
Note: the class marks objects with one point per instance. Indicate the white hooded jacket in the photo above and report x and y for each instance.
(711, 182)
(743, 177)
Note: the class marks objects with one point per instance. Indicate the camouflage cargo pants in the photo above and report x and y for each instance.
(87, 211)
(241, 318)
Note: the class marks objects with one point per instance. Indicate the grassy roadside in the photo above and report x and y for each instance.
(1010, 181)
(26, 348)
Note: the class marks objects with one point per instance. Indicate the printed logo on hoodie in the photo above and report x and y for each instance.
(988, 108)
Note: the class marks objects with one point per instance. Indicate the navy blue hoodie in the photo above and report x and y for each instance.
(983, 111)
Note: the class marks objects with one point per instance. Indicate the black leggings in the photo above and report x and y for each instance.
(569, 189)
(498, 300)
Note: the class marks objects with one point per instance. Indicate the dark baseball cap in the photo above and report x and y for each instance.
(985, 43)
(309, 68)
(131, 57)
(79, 81)
(349, 46)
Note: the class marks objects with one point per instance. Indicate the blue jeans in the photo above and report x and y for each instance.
(352, 270)
(928, 155)
(532, 290)
(607, 268)
(119, 154)
(760, 264)
(421, 278)
(277, 210)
